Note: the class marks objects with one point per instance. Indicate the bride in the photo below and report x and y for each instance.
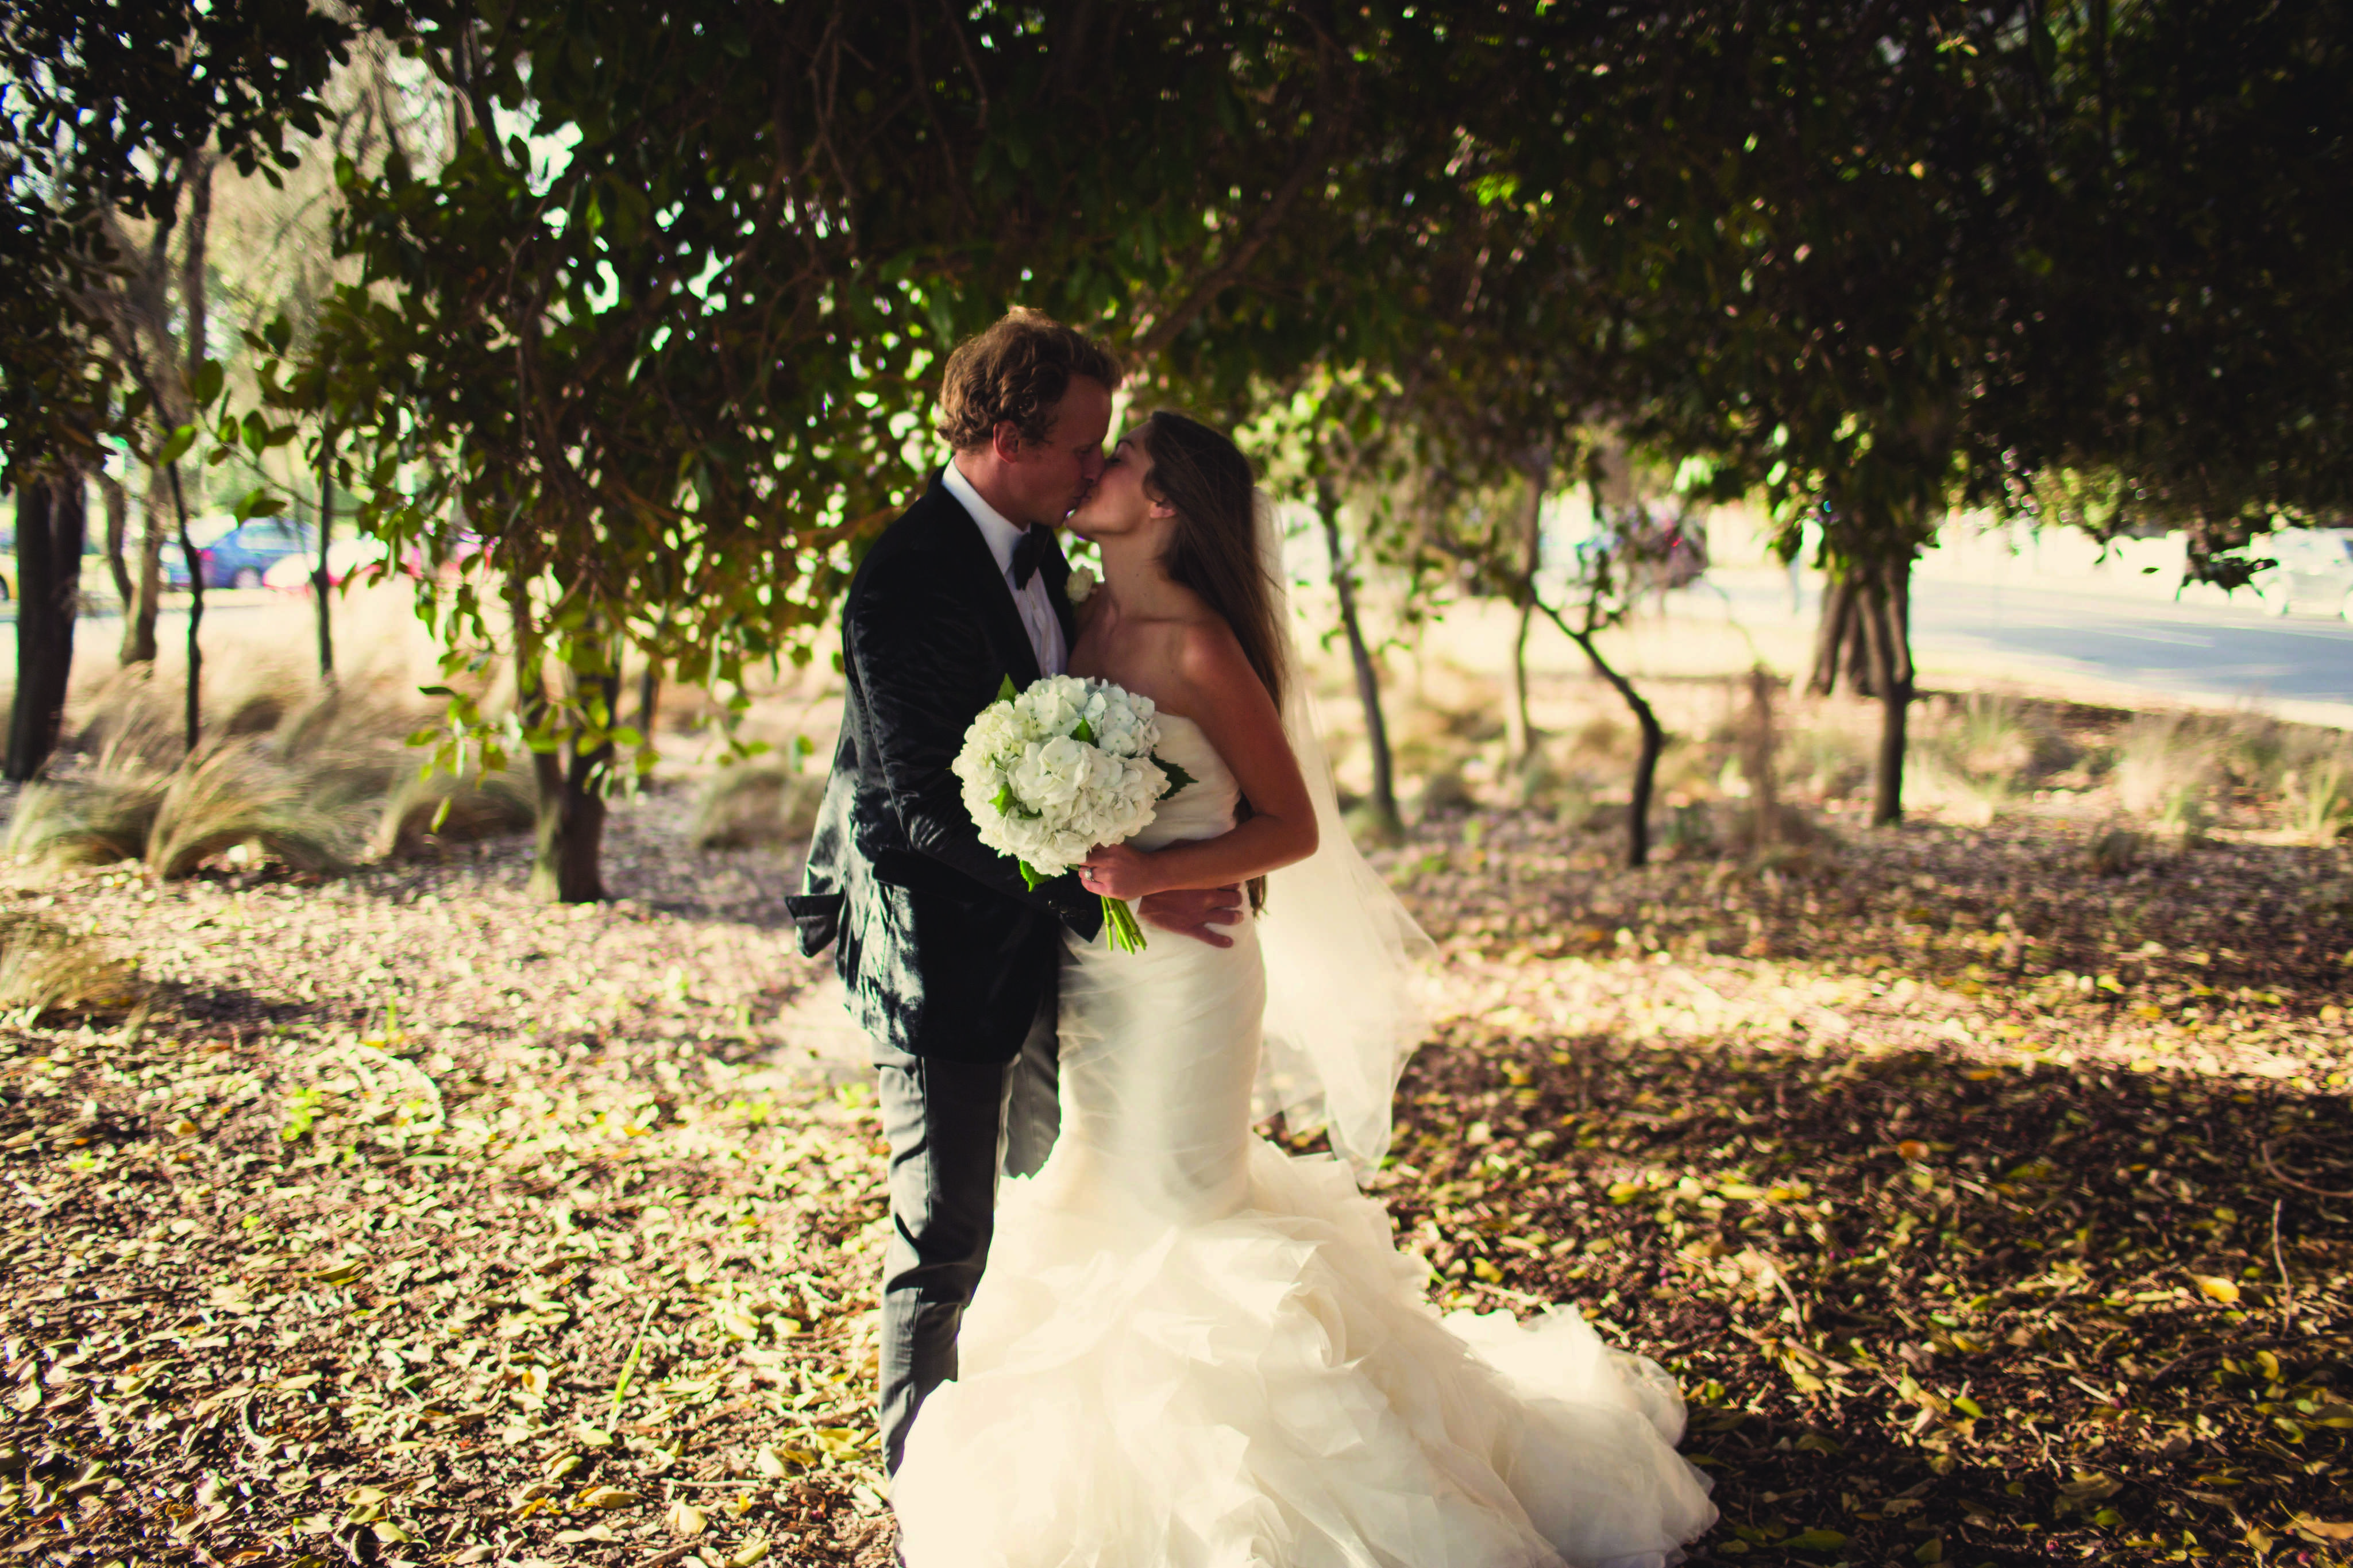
(1190, 1349)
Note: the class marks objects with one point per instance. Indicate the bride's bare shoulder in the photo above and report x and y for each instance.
(1209, 659)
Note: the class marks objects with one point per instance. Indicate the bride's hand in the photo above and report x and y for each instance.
(1115, 871)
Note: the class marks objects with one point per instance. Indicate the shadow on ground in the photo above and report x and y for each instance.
(1927, 1310)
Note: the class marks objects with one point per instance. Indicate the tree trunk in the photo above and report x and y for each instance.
(321, 581)
(1846, 652)
(1646, 765)
(570, 833)
(1368, 679)
(118, 529)
(194, 711)
(194, 300)
(51, 518)
(648, 698)
(566, 864)
(1519, 734)
(1654, 737)
(1863, 642)
(1646, 760)
(1758, 744)
(146, 584)
(1899, 622)
(1830, 633)
(1889, 606)
(195, 296)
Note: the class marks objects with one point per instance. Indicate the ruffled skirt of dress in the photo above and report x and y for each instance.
(1270, 1386)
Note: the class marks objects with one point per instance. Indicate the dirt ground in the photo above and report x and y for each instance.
(1988, 1197)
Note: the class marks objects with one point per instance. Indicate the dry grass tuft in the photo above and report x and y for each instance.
(421, 811)
(134, 722)
(238, 793)
(1976, 756)
(294, 772)
(103, 810)
(2316, 799)
(45, 969)
(742, 806)
(1829, 757)
(93, 819)
(2168, 769)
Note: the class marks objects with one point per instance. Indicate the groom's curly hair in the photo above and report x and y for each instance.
(1016, 373)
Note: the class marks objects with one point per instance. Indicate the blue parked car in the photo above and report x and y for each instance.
(238, 557)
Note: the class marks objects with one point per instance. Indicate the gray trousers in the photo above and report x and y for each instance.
(952, 1126)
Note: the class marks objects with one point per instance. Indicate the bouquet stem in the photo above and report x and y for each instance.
(1120, 927)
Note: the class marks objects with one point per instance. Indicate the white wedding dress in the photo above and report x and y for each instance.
(1192, 1351)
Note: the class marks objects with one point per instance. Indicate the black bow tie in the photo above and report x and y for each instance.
(1033, 547)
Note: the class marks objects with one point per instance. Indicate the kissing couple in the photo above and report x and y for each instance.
(1189, 1349)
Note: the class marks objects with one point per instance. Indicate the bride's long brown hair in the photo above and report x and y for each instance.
(1214, 549)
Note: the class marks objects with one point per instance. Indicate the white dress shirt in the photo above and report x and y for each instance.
(1038, 617)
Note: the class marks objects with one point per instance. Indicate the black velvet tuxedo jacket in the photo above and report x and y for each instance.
(944, 952)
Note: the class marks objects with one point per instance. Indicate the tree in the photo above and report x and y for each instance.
(1327, 445)
(115, 109)
(1810, 267)
(49, 527)
(2183, 362)
(666, 356)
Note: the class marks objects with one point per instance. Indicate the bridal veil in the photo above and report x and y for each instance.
(1345, 962)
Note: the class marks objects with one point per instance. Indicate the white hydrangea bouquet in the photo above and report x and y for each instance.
(1064, 764)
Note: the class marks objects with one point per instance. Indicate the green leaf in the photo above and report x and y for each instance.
(259, 501)
(1177, 777)
(1084, 734)
(1963, 1402)
(1006, 690)
(205, 384)
(175, 447)
(1815, 1540)
(1030, 876)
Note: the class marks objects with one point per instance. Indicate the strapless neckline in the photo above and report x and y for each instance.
(1203, 808)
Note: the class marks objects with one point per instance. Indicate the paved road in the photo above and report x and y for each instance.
(2208, 655)
(2211, 652)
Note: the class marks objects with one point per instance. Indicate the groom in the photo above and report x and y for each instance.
(949, 960)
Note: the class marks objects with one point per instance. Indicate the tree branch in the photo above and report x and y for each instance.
(1159, 334)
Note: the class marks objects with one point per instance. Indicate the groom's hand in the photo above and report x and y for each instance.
(1197, 912)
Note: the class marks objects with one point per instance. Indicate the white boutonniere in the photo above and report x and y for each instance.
(1081, 584)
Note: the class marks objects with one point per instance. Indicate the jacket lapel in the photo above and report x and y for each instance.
(1057, 573)
(970, 560)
